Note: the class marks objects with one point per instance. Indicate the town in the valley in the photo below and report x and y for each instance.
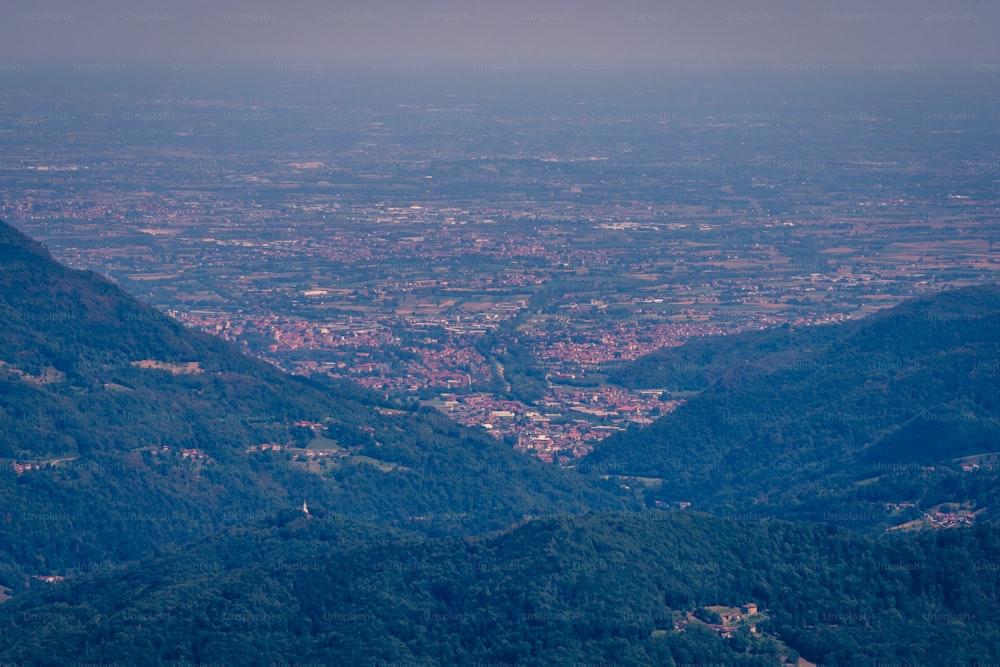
(461, 253)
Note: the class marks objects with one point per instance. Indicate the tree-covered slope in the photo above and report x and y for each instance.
(850, 416)
(121, 431)
(639, 589)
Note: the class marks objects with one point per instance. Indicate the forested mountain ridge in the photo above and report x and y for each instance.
(938, 321)
(853, 419)
(660, 588)
(124, 432)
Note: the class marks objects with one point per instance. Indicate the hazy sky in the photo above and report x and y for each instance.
(693, 34)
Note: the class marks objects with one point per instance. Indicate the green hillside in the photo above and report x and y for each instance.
(664, 588)
(122, 432)
(828, 421)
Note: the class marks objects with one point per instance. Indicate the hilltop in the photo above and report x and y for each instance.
(871, 421)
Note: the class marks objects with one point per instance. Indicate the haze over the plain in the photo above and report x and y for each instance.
(766, 34)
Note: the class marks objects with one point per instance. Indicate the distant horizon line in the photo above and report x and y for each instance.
(208, 65)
